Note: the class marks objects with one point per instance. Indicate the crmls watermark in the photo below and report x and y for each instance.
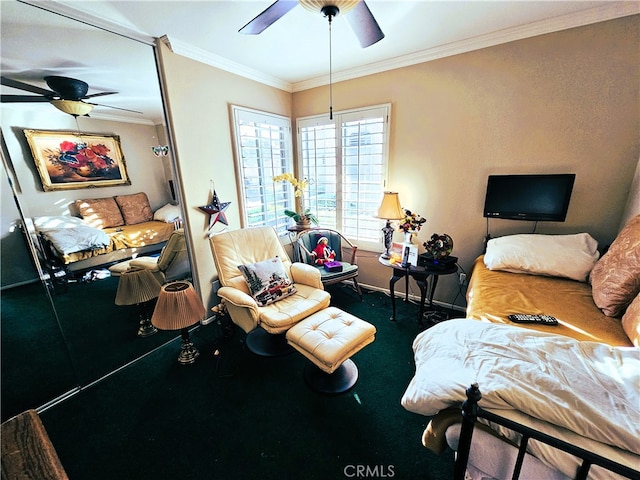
(369, 471)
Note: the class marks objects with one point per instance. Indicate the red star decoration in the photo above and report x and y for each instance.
(216, 210)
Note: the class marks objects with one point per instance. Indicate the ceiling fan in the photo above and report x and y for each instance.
(356, 12)
(66, 94)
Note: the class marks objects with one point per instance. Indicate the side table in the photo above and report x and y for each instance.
(421, 276)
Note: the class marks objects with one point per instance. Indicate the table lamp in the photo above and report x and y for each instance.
(389, 209)
(138, 286)
(178, 308)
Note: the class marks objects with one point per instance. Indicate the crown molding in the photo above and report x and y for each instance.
(121, 119)
(194, 53)
(72, 13)
(565, 22)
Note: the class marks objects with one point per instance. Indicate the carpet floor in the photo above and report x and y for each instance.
(234, 415)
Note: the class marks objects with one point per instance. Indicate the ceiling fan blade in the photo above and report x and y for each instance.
(99, 94)
(117, 108)
(7, 82)
(269, 16)
(22, 99)
(364, 25)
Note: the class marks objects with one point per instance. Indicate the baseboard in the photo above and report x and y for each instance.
(414, 298)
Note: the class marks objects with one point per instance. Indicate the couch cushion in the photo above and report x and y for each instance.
(569, 256)
(168, 213)
(100, 212)
(135, 208)
(615, 279)
(631, 321)
(267, 280)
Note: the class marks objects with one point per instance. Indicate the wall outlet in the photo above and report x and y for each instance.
(463, 278)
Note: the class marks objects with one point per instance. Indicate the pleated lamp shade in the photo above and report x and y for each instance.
(137, 285)
(178, 307)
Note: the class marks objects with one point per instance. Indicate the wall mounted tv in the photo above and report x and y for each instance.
(529, 197)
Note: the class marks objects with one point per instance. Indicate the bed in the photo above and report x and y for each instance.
(578, 382)
(102, 231)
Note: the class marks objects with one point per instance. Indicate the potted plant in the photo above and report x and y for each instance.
(303, 218)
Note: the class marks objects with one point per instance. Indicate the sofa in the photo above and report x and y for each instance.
(103, 230)
(578, 381)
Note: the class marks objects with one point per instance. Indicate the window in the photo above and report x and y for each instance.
(346, 159)
(263, 150)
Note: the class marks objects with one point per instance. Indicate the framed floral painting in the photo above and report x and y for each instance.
(73, 160)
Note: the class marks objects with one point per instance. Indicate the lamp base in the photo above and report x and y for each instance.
(146, 329)
(188, 353)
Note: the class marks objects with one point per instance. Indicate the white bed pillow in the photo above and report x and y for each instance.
(70, 234)
(570, 256)
(168, 213)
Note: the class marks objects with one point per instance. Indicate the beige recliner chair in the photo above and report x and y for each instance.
(171, 264)
(265, 325)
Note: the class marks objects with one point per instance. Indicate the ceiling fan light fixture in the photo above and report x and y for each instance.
(72, 107)
(317, 5)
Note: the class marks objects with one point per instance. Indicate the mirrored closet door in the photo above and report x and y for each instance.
(60, 320)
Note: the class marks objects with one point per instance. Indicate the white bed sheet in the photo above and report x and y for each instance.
(585, 387)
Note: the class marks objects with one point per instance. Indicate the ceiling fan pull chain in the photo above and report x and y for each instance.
(330, 73)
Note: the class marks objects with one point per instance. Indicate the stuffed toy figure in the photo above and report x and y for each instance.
(323, 252)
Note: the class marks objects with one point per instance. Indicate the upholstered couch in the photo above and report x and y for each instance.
(104, 230)
(601, 303)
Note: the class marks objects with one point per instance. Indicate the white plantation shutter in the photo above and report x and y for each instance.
(346, 159)
(263, 150)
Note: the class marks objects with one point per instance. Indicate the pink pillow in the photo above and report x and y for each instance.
(631, 322)
(615, 278)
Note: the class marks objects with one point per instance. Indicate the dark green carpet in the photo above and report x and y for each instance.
(239, 416)
(39, 365)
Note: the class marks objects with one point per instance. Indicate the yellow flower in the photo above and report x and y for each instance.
(298, 185)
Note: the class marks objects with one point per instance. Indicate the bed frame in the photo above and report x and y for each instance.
(471, 411)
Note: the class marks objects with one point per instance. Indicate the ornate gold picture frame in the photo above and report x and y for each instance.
(74, 160)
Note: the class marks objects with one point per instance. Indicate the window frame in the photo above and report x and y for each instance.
(339, 120)
(277, 190)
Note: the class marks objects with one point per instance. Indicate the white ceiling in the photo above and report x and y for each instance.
(292, 54)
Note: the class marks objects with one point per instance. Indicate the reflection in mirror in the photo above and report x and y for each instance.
(81, 234)
(33, 346)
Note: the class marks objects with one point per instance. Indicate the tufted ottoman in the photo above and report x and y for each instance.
(328, 338)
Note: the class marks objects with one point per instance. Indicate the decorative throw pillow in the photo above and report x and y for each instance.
(631, 321)
(135, 208)
(168, 213)
(615, 279)
(100, 212)
(267, 280)
(570, 256)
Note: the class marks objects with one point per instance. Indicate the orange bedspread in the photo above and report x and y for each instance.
(127, 236)
(493, 295)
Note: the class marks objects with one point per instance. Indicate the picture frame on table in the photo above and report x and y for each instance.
(75, 160)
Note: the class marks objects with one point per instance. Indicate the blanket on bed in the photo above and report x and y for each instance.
(586, 387)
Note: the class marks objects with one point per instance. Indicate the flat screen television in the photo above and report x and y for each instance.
(529, 197)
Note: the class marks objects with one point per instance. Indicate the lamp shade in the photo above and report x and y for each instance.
(178, 307)
(390, 208)
(137, 285)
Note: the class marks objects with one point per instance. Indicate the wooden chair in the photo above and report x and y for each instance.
(345, 254)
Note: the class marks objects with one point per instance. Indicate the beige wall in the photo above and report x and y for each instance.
(562, 102)
(199, 99)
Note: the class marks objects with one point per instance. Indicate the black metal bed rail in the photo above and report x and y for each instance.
(470, 413)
